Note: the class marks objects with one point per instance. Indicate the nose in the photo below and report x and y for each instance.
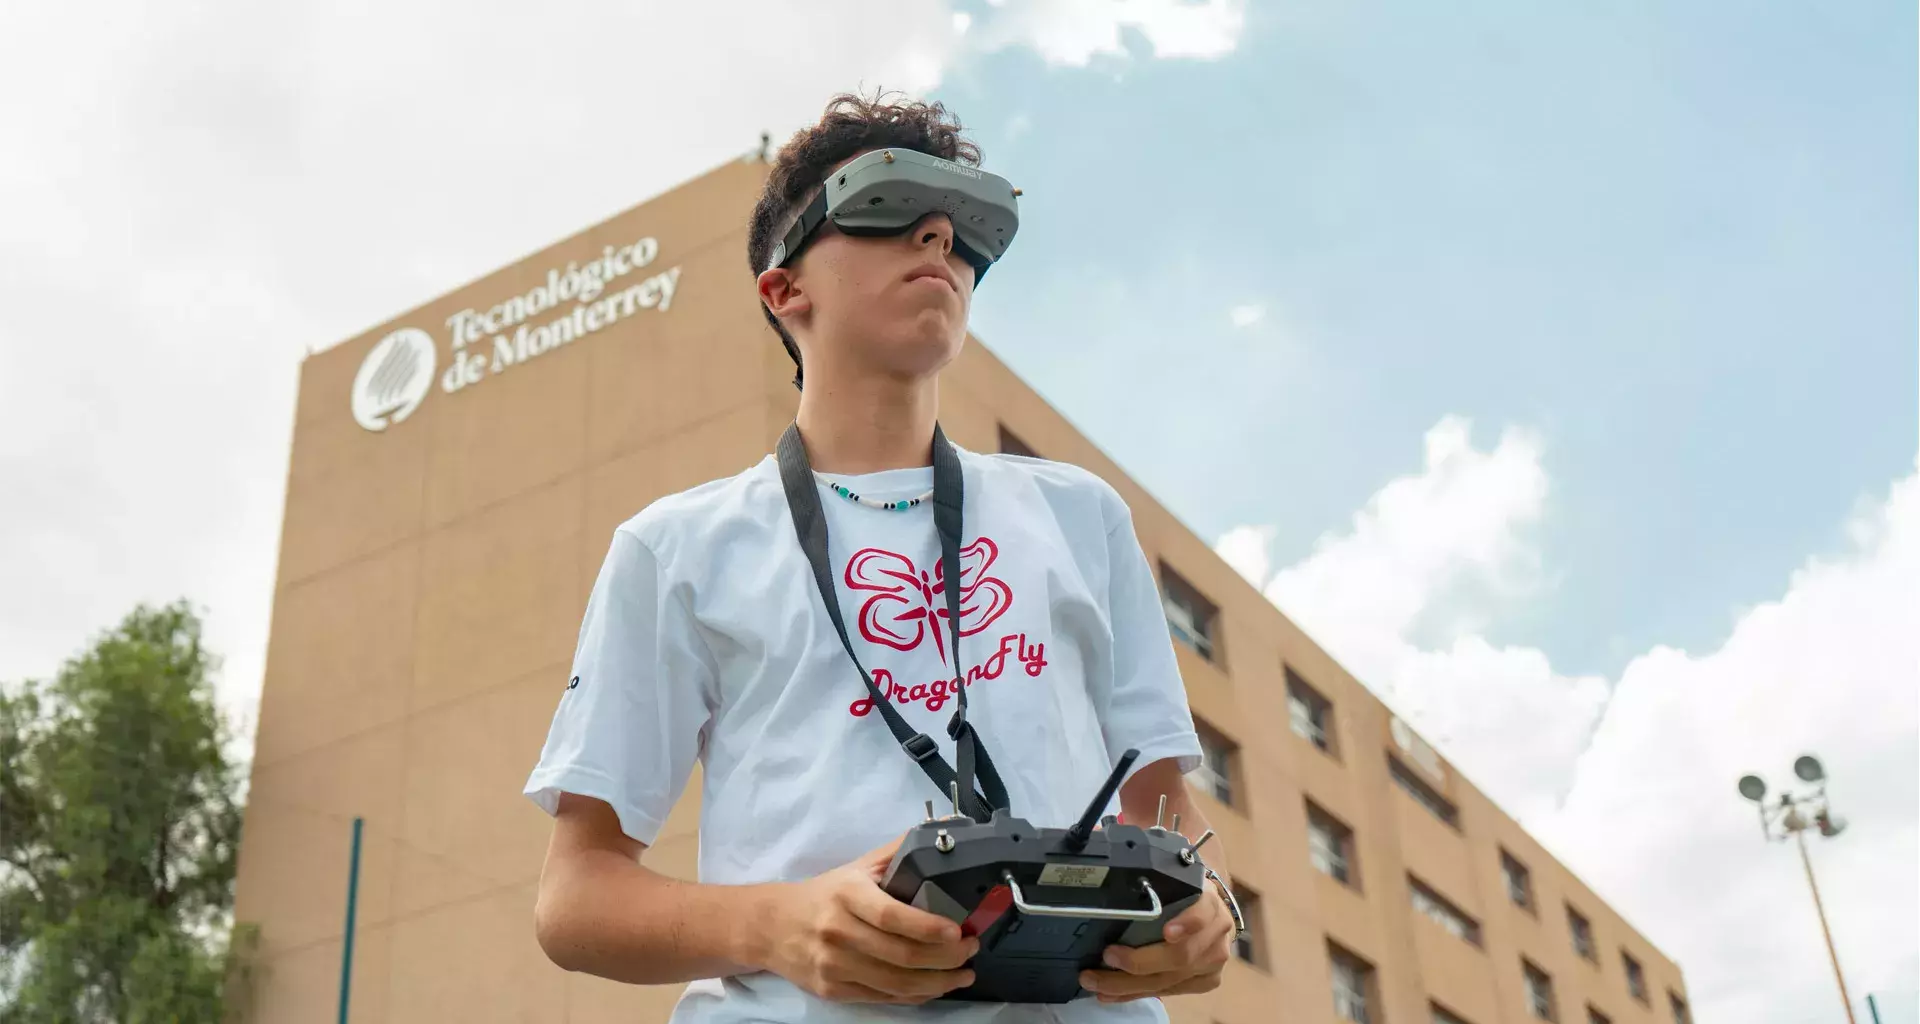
(934, 229)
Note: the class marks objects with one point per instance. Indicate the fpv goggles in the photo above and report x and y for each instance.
(887, 191)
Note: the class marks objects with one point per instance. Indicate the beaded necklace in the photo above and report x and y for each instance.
(885, 506)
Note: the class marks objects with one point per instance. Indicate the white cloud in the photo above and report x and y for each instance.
(1367, 593)
(1248, 315)
(1464, 516)
(1245, 549)
(1073, 32)
(1631, 784)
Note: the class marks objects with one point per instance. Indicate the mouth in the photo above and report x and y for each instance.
(934, 272)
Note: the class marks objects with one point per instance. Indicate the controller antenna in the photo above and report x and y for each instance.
(1082, 830)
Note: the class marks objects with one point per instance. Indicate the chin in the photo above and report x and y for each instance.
(923, 353)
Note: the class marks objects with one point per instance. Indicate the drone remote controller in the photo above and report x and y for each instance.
(1046, 902)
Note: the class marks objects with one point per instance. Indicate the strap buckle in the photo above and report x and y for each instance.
(920, 746)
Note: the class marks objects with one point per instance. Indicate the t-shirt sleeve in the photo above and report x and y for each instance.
(630, 722)
(1146, 707)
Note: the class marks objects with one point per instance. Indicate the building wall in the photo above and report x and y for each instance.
(431, 581)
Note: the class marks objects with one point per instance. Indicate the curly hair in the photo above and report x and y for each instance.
(850, 125)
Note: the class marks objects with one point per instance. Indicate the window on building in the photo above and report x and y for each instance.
(1519, 881)
(1636, 978)
(1680, 1014)
(1250, 947)
(1442, 1015)
(1423, 794)
(1311, 713)
(1330, 845)
(1218, 756)
(1010, 444)
(1596, 1017)
(1582, 930)
(1442, 912)
(1193, 619)
(1539, 991)
(1352, 986)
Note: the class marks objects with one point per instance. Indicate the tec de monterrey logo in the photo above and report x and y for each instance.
(570, 304)
(395, 377)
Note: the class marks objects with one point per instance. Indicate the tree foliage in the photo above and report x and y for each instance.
(119, 823)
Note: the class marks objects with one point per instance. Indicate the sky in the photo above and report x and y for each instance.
(1553, 366)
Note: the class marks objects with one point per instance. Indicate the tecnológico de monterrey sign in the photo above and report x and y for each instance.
(570, 304)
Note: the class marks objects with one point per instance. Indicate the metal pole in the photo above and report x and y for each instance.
(353, 899)
(1873, 1009)
(1800, 836)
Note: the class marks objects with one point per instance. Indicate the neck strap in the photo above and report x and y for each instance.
(810, 524)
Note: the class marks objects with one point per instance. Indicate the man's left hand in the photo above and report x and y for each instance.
(1193, 952)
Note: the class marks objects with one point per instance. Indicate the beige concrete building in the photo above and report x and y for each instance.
(456, 476)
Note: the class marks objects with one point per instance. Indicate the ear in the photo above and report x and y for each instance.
(780, 290)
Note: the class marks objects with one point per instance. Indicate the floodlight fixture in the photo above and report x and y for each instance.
(1808, 769)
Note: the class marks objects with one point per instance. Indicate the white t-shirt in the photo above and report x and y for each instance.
(704, 639)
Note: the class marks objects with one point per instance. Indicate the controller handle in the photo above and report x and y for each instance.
(1076, 838)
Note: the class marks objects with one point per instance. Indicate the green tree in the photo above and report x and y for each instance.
(119, 823)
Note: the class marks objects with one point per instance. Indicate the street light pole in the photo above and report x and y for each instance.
(1787, 819)
(1800, 834)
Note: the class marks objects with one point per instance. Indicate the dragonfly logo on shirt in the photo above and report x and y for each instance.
(908, 603)
(933, 696)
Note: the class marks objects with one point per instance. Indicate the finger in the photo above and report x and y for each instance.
(914, 986)
(1197, 931)
(1204, 982)
(855, 967)
(1201, 942)
(1208, 908)
(900, 951)
(1209, 950)
(1120, 983)
(876, 860)
(854, 992)
(872, 904)
(1157, 958)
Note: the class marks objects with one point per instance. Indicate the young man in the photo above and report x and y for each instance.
(706, 639)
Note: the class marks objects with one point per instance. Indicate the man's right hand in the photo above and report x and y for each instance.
(841, 937)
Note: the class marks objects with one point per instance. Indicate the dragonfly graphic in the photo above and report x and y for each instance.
(909, 603)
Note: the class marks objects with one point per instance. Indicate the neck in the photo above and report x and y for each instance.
(868, 425)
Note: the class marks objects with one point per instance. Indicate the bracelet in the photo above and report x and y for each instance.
(1233, 905)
